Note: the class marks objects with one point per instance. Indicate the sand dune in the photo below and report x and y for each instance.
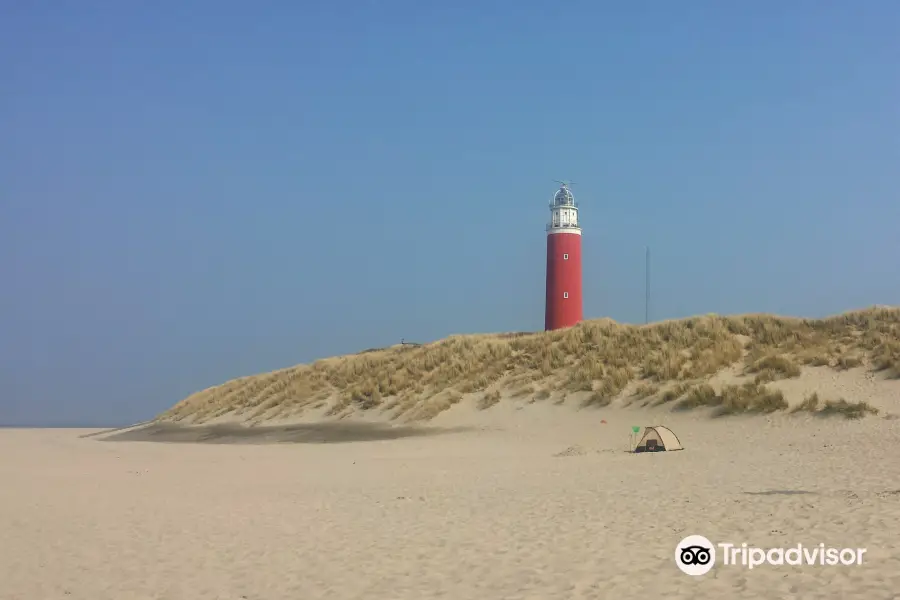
(484, 467)
(751, 363)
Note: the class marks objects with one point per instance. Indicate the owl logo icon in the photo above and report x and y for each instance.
(695, 555)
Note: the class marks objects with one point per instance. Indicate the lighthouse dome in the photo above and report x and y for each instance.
(564, 197)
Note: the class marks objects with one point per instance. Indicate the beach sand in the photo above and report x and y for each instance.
(520, 501)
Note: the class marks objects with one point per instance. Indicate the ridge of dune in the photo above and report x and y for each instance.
(847, 364)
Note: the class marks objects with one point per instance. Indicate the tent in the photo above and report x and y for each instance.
(658, 439)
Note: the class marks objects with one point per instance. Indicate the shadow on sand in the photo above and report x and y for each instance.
(779, 493)
(314, 433)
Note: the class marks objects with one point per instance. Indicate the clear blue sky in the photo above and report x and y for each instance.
(195, 191)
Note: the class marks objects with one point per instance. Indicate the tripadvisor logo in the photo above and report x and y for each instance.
(696, 555)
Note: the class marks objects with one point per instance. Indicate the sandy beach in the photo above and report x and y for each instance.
(529, 502)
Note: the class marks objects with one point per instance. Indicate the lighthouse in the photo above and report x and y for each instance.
(563, 304)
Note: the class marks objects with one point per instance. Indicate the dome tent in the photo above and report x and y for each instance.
(658, 439)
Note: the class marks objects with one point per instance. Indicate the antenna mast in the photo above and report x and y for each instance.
(647, 286)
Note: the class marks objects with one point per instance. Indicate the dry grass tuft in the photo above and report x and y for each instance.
(673, 394)
(886, 356)
(848, 362)
(600, 357)
(597, 400)
(526, 390)
(773, 367)
(810, 404)
(645, 390)
(850, 410)
(432, 407)
(751, 397)
(488, 400)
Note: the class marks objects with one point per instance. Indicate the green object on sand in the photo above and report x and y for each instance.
(635, 428)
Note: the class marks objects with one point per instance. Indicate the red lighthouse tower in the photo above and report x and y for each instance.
(563, 308)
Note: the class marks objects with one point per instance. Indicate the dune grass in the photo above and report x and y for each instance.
(812, 404)
(850, 410)
(772, 367)
(674, 393)
(751, 397)
(598, 359)
(489, 399)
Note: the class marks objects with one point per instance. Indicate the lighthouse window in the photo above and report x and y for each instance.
(565, 294)
(565, 257)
